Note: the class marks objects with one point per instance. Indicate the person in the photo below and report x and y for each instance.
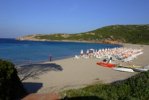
(104, 60)
(110, 60)
(50, 57)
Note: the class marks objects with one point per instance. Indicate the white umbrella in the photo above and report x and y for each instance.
(81, 52)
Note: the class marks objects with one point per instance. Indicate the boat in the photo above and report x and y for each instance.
(105, 64)
(140, 69)
(134, 66)
(123, 69)
(147, 66)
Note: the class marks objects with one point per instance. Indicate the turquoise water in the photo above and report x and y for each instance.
(31, 51)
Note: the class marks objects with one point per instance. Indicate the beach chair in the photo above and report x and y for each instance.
(76, 57)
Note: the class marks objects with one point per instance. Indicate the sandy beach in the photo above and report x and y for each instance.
(72, 73)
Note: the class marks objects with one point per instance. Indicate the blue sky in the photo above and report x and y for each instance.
(23, 17)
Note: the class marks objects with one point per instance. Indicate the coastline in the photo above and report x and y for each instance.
(27, 59)
(73, 73)
(77, 41)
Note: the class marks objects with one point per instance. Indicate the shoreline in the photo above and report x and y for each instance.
(55, 58)
(73, 73)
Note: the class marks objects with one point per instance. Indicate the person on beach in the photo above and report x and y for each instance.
(104, 60)
(87, 52)
(110, 60)
(50, 58)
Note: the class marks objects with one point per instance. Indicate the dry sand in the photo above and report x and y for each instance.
(75, 73)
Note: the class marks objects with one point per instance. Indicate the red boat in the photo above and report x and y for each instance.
(105, 64)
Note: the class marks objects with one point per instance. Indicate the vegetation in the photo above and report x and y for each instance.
(134, 88)
(10, 86)
(116, 33)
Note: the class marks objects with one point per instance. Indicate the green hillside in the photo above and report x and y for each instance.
(137, 34)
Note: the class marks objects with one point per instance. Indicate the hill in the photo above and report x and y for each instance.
(136, 34)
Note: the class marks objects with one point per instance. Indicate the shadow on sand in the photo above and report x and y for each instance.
(32, 87)
(34, 70)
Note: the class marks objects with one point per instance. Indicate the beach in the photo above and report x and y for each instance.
(71, 73)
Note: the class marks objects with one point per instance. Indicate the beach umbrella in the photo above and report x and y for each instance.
(87, 51)
(81, 52)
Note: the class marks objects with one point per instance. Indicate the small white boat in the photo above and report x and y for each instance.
(123, 69)
(147, 66)
(140, 69)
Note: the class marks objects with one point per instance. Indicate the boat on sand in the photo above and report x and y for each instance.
(123, 69)
(140, 69)
(105, 64)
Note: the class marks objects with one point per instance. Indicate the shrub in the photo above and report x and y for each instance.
(10, 84)
(134, 88)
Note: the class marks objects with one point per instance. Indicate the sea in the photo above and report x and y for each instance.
(20, 52)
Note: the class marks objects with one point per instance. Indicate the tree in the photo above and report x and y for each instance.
(10, 85)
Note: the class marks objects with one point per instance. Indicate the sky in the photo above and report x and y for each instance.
(24, 17)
